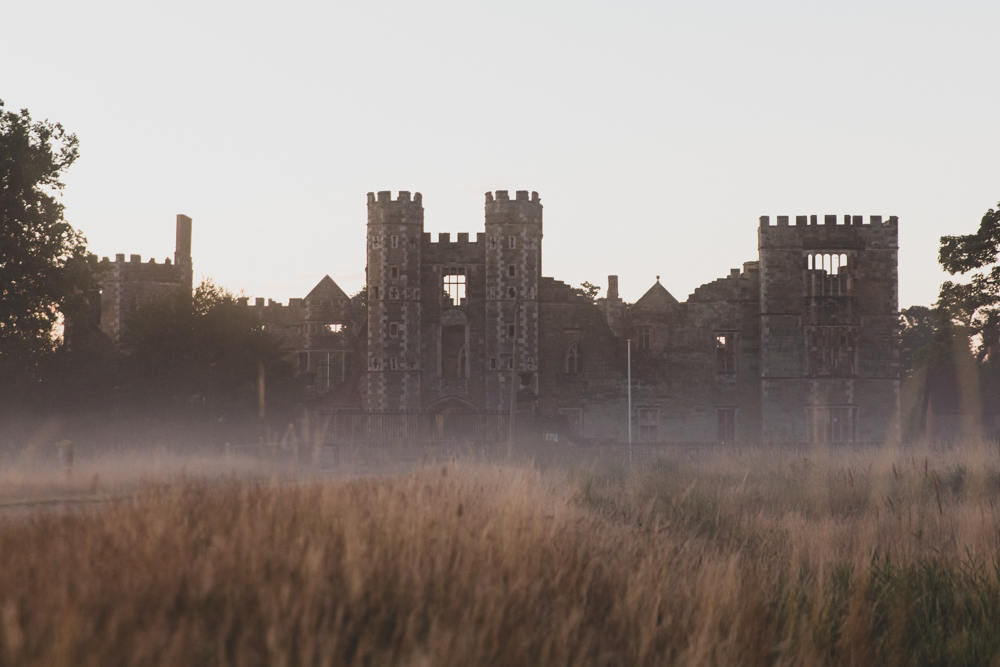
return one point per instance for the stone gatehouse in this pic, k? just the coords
(800, 344)
(797, 345)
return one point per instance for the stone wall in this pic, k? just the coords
(829, 329)
(126, 284)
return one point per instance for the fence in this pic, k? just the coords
(414, 427)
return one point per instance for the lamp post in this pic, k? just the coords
(513, 385)
(630, 401)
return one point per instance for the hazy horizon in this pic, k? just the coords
(655, 133)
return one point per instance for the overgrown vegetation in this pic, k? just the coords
(747, 558)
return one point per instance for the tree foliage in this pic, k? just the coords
(974, 303)
(43, 260)
(199, 355)
(588, 290)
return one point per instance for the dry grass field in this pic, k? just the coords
(749, 557)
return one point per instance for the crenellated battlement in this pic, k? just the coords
(447, 249)
(462, 238)
(133, 260)
(830, 220)
(520, 196)
(385, 197)
(136, 271)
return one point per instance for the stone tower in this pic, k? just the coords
(182, 250)
(513, 269)
(828, 329)
(395, 229)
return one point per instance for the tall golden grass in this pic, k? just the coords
(742, 557)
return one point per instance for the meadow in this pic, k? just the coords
(730, 557)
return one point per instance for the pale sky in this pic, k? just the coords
(656, 133)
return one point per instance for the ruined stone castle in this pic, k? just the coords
(800, 345)
(126, 284)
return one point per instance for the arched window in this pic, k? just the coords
(573, 359)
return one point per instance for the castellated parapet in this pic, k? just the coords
(126, 284)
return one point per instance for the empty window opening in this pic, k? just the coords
(649, 423)
(453, 355)
(832, 351)
(511, 270)
(453, 281)
(511, 293)
(644, 335)
(393, 329)
(573, 359)
(393, 271)
(493, 363)
(829, 274)
(832, 425)
(510, 331)
(726, 418)
(725, 354)
(328, 369)
(375, 292)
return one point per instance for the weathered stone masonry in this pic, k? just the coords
(799, 345)
(126, 284)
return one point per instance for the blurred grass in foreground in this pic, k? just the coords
(743, 557)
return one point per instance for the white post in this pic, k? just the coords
(630, 401)
(513, 386)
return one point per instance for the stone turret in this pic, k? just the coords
(513, 270)
(395, 229)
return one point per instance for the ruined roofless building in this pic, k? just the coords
(124, 285)
(800, 345)
(442, 316)
(318, 331)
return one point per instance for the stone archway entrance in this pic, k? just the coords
(454, 419)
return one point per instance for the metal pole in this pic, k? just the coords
(513, 385)
(630, 400)
(261, 415)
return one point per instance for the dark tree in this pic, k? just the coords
(588, 290)
(43, 260)
(195, 359)
(975, 303)
(917, 325)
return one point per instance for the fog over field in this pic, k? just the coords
(731, 556)
(545, 333)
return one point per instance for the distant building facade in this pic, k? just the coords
(124, 285)
(799, 345)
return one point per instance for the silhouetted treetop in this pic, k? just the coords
(43, 260)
